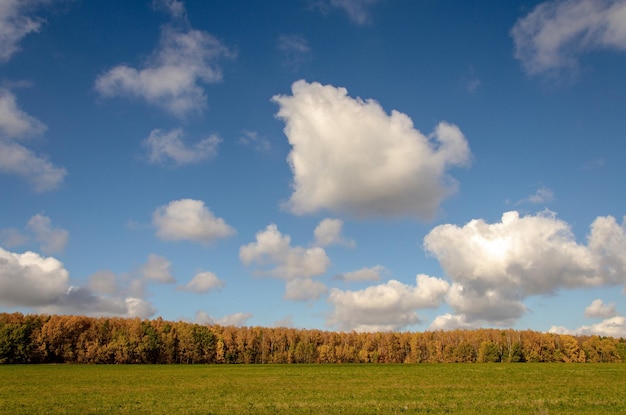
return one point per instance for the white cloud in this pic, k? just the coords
(286, 262)
(53, 239)
(451, 322)
(31, 280)
(328, 232)
(273, 254)
(386, 307)
(607, 242)
(172, 78)
(597, 309)
(189, 219)
(18, 160)
(363, 274)
(16, 23)
(138, 307)
(42, 283)
(556, 33)
(157, 269)
(236, 319)
(349, 156)
(611, 327)
(165, 147)
(495, 267)
(203, 282)
(304, 289)
(14, 122)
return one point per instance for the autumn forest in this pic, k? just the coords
(111, 340)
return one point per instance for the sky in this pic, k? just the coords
(367, 165)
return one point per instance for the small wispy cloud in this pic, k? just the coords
(542, 195)
(255, 140)
(166, 147)
(556, 33)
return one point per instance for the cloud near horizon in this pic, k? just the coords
(43, 283)
(350, 157)
(495, 267)
(235, 319)
(385, 307)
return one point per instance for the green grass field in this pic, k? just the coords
(315, 389)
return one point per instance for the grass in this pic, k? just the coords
(315, 389)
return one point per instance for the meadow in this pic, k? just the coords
(541, 388)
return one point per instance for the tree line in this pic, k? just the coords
(114, 340)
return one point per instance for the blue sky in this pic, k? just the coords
(334, 164)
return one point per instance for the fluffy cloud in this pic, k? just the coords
(597, 308)
(495, 267)
(15, 158)
(363, 274)
(452, 322)
(611, 327)
(273, 252)
(172, 78)
(30, 280)
(304, 289)
(236, 319)
(349, 156)
(274, 248)
(556, 33)
(169, 147)
(14, 122)
(203, 282)
(53, 239)
(607, 242)
(385, 307)
(328, 232)
(18, 160)
(157, 269)
(189, 219)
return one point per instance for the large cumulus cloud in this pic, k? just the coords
(495, 267)
(349, 156)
